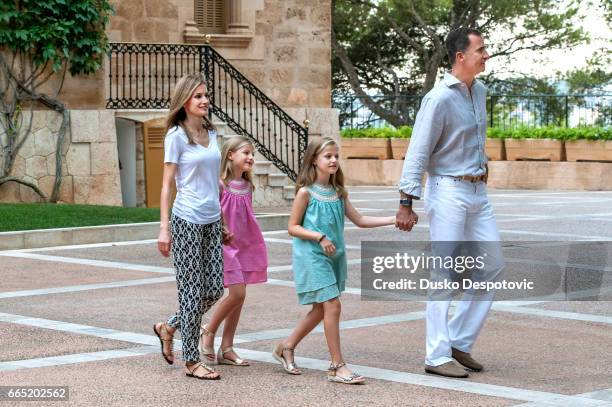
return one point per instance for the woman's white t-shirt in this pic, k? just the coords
(197, 176)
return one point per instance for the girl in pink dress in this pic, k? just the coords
(245, 259)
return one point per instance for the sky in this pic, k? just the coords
(546, 64)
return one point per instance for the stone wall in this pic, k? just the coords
(284, 48)
(294, 68)
(90, 164)
(546, 175)
(287, 55)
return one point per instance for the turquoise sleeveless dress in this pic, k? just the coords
(319, 278)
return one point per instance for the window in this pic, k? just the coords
(210, 16)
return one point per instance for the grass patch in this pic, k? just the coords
(25, 216)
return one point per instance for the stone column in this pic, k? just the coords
(236, 25)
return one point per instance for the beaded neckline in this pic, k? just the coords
(324, 193)
(238, 187)
(328, 187)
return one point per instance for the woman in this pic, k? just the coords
(195, 230)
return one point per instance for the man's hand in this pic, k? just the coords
(406, 218)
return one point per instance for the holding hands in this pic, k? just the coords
(226, 235)
(406, 218)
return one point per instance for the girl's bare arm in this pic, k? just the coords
(298, 209)
(366, 221)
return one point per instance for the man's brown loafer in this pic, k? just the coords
(466, 360)
(448, 369)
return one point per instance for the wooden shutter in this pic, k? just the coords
(210, 16)
(154, 160)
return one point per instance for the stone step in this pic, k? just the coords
(262, 167)
(289, 192)
(277, 180)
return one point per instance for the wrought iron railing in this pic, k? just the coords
(503, 111)
(142, 76)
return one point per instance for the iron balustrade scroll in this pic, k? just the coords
(503, 111)
(142, 76)
(249, 112)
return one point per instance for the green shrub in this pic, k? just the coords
(555, 133)
(382, 132)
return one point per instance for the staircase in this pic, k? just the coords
(141, 76)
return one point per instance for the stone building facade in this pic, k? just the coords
(281, 46)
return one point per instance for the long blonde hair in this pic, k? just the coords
(308, 172)
(231, 146)
(183, 90)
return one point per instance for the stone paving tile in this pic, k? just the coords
(522, 351)
(583, 307)
(19, 342)
(517, 351)
(27, 274)
(146, 254)
(356, 236)
(135, 309)
(279, 254)
(146, 380)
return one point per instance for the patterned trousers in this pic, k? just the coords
(198, 259)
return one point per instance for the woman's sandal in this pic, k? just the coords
(290, 367)
(162, 327)
(353, 378)
(208, 352)
(209, 375)
(221, 360)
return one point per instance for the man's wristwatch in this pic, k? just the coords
(406, 201)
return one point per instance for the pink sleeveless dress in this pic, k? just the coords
(245, 259)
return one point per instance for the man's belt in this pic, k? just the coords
(472, 178)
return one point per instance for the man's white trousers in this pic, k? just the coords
(459, 211)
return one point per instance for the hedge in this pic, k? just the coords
(382, 132)
(557, 133)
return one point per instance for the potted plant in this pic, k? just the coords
(400, 141)
(494, 145)
(366, 143)
(589, 144)
(539, 144)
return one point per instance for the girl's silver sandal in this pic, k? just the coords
(290, 367)
(221, 360)
(353, 378)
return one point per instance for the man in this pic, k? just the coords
(448, 143)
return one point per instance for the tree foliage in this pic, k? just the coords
(394, 47)
(39, 42)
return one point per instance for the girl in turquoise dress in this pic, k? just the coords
(319, 258)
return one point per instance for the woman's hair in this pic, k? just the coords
(308, 172)
(183, 90)
(227, 171)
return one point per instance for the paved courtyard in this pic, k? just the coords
(81, 316)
